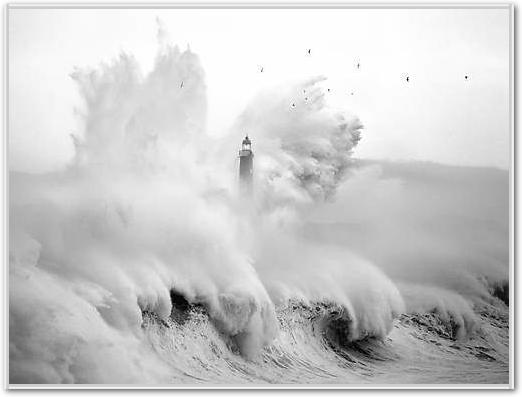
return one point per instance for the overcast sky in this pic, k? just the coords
(436, 116)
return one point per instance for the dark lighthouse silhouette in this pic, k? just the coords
(246, 167)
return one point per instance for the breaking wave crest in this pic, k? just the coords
(314, 345)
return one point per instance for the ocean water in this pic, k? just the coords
(311, 349)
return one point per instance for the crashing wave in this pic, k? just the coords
(314, 344)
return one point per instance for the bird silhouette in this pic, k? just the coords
(293, 105)
(262, 68)
(408, 78)
(310, 51)
(181, 85)
(358, 65)
(328, 90)
(466, 77)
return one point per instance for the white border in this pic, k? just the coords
(265, 5)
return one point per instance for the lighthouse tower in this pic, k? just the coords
(246, 167)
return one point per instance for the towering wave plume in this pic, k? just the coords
(129, 118)
(139, 263)
(304, 146)
(127, 223)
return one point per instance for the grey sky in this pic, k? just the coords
(437, 116)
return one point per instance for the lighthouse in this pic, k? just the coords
(246, 167)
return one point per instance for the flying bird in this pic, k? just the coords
(351, 93)
(358, 65)
(293, 105)
(181, 85)
(328, 90)
(408, 78)
(309, 51)
(262, 68)
(466, 77)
